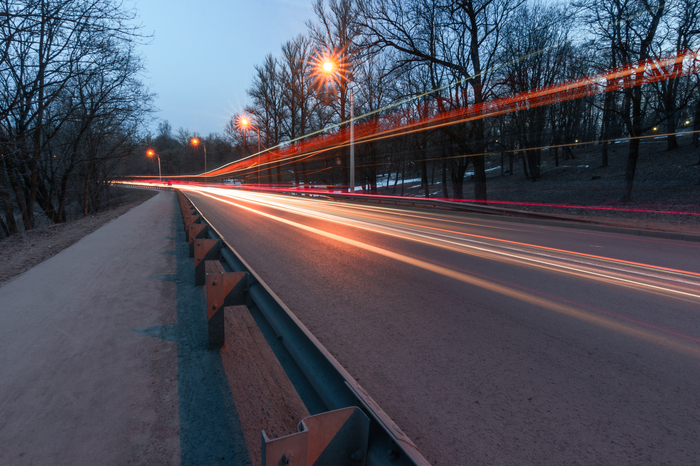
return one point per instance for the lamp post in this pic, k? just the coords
(151, 153)
(195, 142)
(330, 67)
(244, 124)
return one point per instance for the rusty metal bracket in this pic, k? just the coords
(185, 206)
(190, 220)
(196, 231)
(222, 289)
(334, 438)
(204, 250)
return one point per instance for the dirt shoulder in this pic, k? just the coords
(19, 253)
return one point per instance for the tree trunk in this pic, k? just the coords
(8, 208)
(445, 191)
(396, 181)
(424, 177)
(479, 164)
(527, 174)
(295, 167)
(19, 195)
(696, 126)
(670, 106)
(5, 230)
(305, 175)
(607, 122)
(533, 158)
(373, 168)
(631, 168)
(86, 202)
(457, 171)
(388, 174)
(635, 126)
(34, 162)
(511, 156)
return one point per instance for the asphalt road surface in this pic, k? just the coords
(487, 341)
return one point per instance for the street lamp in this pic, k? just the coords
(195, 142)
(244, 124)
(150, 153)
(329, 67)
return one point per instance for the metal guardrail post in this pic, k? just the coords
(222, 289)
(196, 231)
(191, 219)
(337, 438)
(204, 250)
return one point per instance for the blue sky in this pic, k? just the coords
(201, 58)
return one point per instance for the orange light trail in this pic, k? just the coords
(646, 72)
(639, 275)
(687, 289)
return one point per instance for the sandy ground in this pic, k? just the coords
(85, 378)
(104, 357)
(21, 252)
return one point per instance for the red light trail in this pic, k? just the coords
(646, 72)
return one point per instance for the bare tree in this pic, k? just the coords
(630, 26)
(67, 81)
(535, 50)
(463, 36)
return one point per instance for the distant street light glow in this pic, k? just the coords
(150, 153)
(244, 124)
(195, 142)
(331, 67)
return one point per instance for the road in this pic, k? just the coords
(487, 341)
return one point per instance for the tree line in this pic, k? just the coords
(71, 106)
(407, 60)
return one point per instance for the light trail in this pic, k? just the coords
(588, 264)
(645, 72)
(656, 334)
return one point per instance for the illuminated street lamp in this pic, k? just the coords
(195, 142)
(330, 68)
(244, 124)
(150, 153)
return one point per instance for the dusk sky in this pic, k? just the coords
(202, 56)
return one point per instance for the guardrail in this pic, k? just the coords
(354, 430)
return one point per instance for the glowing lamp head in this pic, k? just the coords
(244, 122)
(328, 66)
(195, 141)
(150, 153)
(654, 129)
